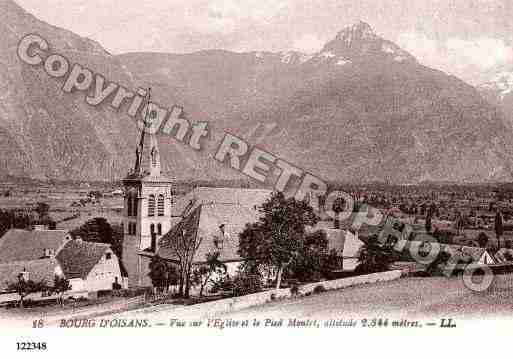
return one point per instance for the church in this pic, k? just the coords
(153, 215)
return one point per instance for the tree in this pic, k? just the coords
(429, 218)
(203, 274)
(435, 268)
(25, 287)
(278, 238)
(99, 230)
(60, 286)
(499, 227)
(162, 273)
(373, 258)
(14, 219)
(183, 247)
(248, 280)
(313, 259)
(482, 240)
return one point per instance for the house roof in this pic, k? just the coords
(204, 223)
(77, 258)
(22, 245)
(39, 270)
(504, 255)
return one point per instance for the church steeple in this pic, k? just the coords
(147, 155)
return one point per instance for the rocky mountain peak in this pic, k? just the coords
(359, 41)
(359, 31)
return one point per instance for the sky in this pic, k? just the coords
(466, 38)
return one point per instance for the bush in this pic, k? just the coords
(223, 284)
(244, 284)
(319, 289)
(104, 293)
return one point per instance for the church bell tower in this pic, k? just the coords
(147, 207)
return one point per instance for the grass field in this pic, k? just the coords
(411, 298)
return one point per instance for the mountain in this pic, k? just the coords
(498, 90)
(361, 109)
(45, 133)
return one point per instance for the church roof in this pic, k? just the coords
(246, 197)
(216, 225)
(216, 216)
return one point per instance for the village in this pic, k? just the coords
(101, 245)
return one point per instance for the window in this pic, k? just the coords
(154, 155)
(132, 205)
(153, 243)
(135, 201)
(159, 229)
(108, 256)
(151, 205)
(160, 205)
(129, 205)
(132, 228)
(153, 238)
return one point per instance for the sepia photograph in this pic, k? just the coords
(172, 170)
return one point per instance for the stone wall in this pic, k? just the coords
(243, 302)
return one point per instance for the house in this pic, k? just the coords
(459, 255)
(89, 267)
(347, 246)
(42, 254)
(479, 255)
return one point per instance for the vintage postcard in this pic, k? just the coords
(176, 170)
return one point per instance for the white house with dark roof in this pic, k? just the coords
(40, 255)
(89, 267)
